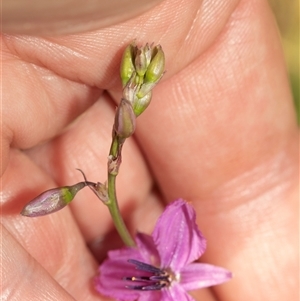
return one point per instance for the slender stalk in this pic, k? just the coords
(115, 158)
(141, 70)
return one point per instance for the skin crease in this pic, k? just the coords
(220, 132)
(67, 16)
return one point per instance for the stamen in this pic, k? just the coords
(140, 279)
(156, 281)
(155, 287)
(144, 266)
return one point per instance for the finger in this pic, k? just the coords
(223, 134)
(24, 136)
(38, 104)
(53, 241)
(24, 278)
(93, 58)
(55, 74)
(61, 17)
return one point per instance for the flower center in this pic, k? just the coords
(155, 280)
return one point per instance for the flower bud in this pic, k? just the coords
(127, 64)
(52, 200)
(145, 89)
(141, 104)
(148, 53)
(156, 67)
(141, 62)
(129, 91)
(124, 119)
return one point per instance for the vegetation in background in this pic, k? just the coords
(287, 16)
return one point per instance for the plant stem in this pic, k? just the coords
(115, 161)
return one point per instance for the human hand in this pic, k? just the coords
(220, 132)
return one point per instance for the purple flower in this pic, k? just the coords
(161, 267)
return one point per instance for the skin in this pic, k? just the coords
(220, 132)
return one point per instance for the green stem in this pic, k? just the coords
(115, 153)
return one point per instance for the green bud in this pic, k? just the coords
(129, 91)
(141, 104)
(140, 62)
(124, 119)
(145, 89)
(127, 64)
(156, 67)
(52, 200)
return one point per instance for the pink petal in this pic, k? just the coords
(125, 254)
(150, 296)
(199, 275)
(177, 236)
(175, 292)
(147, 249)
(110, 281)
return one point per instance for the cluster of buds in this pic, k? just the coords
(141, 70)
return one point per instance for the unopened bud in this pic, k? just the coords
(141, 104)
(52, 200)
(129, 91)
(145, 89)
(148, 53)
(156, 67)
(127, 64)
(124, 119)
(141, 62)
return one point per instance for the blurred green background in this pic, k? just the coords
(287, 16)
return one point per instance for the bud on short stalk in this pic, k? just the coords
(52, 200)
(140, 62)
(141, 104)
(155, 70)
(124, 119)
(127, 65)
